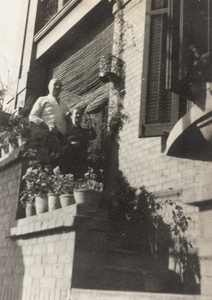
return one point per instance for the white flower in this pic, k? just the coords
(56, 171)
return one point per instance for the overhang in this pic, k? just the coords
(191, 137)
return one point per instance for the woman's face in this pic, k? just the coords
(76, 117)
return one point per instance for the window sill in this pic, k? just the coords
(68, 217)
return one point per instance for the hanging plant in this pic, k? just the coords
(110, 68)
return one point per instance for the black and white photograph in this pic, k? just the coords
(105, 150)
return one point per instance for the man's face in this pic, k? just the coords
(55, 87)
(76, 117)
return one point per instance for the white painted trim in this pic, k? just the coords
(53, 21)
(56, 32)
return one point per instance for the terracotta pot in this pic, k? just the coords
(12, 146)
(53, 201)
(88, 197)
(66, 200)
(41, 204)
(30, 210)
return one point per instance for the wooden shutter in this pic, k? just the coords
(159, 105)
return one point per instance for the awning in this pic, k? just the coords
(89, 101)
(191, 137)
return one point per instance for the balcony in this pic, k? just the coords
(57, 19)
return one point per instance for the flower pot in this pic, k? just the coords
(3, 153)
(21, 141)
(41, 204)
(67, 199)
(30, 209)
(12, 146)
(88, 197)
(53, 201)
(109, 68)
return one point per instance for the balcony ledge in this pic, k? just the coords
(66, 218)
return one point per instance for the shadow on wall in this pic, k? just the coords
(127, 252)
(12, 265)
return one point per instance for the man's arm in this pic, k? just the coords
(36, 112)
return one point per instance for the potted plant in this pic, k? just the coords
(88, 190)
(55, 189)
(21, 128)
(110, 68)
(15, 132)
(4, 145)
(9, 137)
(66, 185)
(36, 181)
(28, 201)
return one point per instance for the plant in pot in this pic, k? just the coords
(55, 189)
(21, 128)
(4, 145)
(9, 140)
(37, 182)
(66, 185)
(9, 136)
(28, 200)
(88, 190)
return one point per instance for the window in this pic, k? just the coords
(47, 9)
(169, 33)
(51, 9)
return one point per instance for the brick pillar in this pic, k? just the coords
(200, 195)
(205, 241)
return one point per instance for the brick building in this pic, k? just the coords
(164, 144)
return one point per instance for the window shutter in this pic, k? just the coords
(159, 105)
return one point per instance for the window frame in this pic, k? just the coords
(159, 128)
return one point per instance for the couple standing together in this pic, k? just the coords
(51, 114)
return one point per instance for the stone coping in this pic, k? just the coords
(18, 153)
(85, 294)
(70, 217)
(11, 157)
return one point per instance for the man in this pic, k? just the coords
(49, 112)
(77, 145)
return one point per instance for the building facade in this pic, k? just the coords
(159, 85)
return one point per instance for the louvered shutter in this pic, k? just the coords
(159, 105)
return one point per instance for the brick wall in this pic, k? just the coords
(41, 257)
(36, 263)
(10, 270)
(141, 159)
